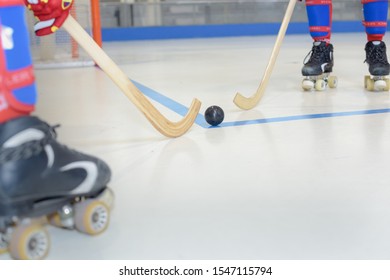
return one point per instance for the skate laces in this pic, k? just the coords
(377, 54)
(316, 54)
(28, 149)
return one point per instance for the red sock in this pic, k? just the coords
(375, 37)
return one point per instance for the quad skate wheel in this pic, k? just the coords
(307, 85)
(107, 197)
(369, 84)
(333, 82)
(387, 85)
(3, 244)
(320, 85)
(29, 242)
(55, 220)
(366, 81)
(91, 216)
(380, 85)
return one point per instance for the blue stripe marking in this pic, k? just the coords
(306, 117)
(182, 110)
(169, 103)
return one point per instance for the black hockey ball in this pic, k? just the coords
(214, 115)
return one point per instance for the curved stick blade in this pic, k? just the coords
(247, 103)
(162, 124)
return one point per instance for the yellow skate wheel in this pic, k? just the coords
(333, 82)
(54, 220)
(3, 250)
(366, 81)
(320, 85)
(370, 84)
(29, 242)
(387, 85)
(91, 216)
(3, 244)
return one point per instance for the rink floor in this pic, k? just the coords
(304, 175)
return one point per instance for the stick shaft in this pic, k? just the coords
(249, 103)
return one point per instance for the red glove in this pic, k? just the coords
(51, 14)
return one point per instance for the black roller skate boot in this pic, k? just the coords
(378, 66)
(318, 67)
(43, 181)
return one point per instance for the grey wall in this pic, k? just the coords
(197, 12)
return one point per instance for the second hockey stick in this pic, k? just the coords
(248, 103)
(163, 125)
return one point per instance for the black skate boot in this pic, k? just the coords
(42, 180)
(318, 67)
(378, 66)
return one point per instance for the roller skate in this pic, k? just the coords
(378, 66)
(43, 182)
(318, 67)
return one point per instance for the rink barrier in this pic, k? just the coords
(213, 31)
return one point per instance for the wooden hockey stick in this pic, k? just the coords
(248, 103)
(163, 125)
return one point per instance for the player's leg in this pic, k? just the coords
(38, 175)
(375, 22)
(320, 58)
(318, 64)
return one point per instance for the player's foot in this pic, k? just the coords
(41, 177)
(376, 58)
(320, 60)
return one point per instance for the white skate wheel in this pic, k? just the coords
(380, 85)
(333, 82)
(91, 216)
(29, 242)
(320, 85)
(307, 85)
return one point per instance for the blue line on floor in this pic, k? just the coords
(169, 103)
(306, 117)
(182, 110)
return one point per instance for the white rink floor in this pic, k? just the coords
(315, 186)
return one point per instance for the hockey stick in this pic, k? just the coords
(163, 125)
(247, 103)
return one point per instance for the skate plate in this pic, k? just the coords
(27, 238)
(319, 83)
(376, 83)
